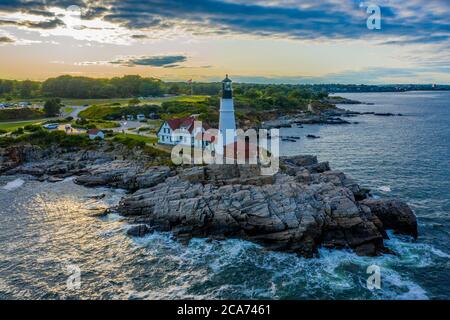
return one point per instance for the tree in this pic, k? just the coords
(26, 88)
(52, 107)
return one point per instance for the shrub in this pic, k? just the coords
(33, 128)
(129, 142)
(45, 138)
(20, 114)
(18, 132)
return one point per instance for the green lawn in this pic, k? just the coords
(139, 138)
(191, 99)
(11, 126)
(82, 102)
(68, 110)
(105, 124)
(124, 102)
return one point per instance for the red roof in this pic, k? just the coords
(175, 124)
(93, 131)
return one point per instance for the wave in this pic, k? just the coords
(385, 189)
(13, 185)
(239, 269)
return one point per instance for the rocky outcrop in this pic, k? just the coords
(90, 167)
(394, 215)
(298, 210)
(324, 117)
(124, 175)
(12, 157)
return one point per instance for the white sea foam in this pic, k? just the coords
(385, 189)
(13, 185)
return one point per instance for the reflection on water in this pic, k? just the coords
(46, 227)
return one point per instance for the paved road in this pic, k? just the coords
(125, 125)
(75, 112)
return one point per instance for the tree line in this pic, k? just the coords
(136, 86)
(71, 87)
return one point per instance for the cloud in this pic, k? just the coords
(152, 61)
(139, 36)
(37, 12)
(160, 61)
(309, 19)
(46, 24)
(413, 21)
(6, 40)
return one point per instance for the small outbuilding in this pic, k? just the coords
(96, 134)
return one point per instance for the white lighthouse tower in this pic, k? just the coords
(227, 122)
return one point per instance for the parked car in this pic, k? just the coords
(154, 116)
(51, 126)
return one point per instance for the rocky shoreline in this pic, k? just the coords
(333, 116)
(303, 207)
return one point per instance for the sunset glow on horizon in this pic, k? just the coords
(256, 41)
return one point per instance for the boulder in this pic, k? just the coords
(139, 230)
(394, 214)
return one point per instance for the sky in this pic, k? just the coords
(260, 41)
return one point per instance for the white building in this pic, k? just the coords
(96, 134)
(227, 121)
(184, 131)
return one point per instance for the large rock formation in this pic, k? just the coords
(304, 207)
(90, 167)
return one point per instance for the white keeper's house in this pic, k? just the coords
(184, 131)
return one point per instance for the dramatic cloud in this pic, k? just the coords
(412, 21)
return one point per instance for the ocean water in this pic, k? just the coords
(47, 230)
